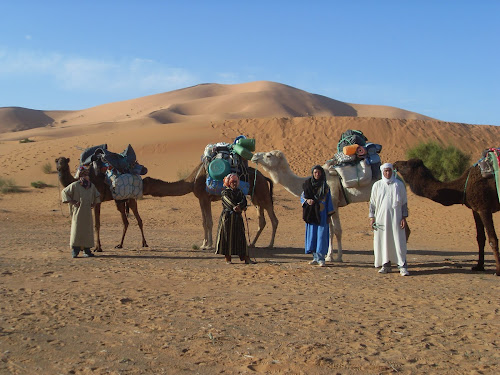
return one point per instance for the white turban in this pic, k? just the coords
(396, 196)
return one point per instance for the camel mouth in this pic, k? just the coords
(256, 158)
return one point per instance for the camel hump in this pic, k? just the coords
(330, 169)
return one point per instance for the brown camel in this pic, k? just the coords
(261, 196)
(66, 178)
(476, 192)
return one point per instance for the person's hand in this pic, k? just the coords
(403, 223)
(310, 202)
(372, 221)
(237, 209)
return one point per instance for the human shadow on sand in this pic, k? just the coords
(286, 253)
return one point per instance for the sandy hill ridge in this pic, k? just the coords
(169, 131)
(310, 140)
(14, 119)
(205, 102)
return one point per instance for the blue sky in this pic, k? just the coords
(437, 58)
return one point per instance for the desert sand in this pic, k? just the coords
(172, 308)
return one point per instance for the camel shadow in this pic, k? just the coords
(285, 253)
(296, 254)
(415, 252)
(174, 256)
(447, 269)
(441, 252)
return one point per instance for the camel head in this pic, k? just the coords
(415, 174)
(271, 160)
(62, 164)
(413, 170)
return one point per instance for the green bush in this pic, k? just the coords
(47, 168)
(446, 163)
(39, 184)
(8, 186)
(26, 140)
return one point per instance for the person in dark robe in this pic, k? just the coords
(231, 238)
(317, 207)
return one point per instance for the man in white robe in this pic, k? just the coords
(388, 213)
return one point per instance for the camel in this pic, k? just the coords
(477, 193)
(275, 163)
(261, 196)
(66, 178)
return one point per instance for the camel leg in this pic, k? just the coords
(274, 223)
(262, 224)
(206, 215)
(132, 204)
(487, 218)
(97, 226)
(335, 231)
(120, 206)
(481, 241)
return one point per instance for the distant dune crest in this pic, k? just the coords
(204, 102)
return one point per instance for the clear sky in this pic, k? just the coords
(440, 58)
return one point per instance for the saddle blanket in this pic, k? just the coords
(124, 186)
(215, 187)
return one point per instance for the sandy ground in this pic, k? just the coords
(172, 308)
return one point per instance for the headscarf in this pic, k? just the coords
(396, 195)
(316, 190)
(82, 170)
(319, 187)
(81, 173)
(229, 178)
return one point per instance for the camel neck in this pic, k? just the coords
(447, 193)
(65, 177)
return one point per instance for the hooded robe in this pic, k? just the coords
(389, 205)
(82, 228)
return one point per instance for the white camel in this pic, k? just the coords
(276, 165)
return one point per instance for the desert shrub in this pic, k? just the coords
(445, 163)
(47, 168)
(39, 184)
(26, 140)
(8, 186)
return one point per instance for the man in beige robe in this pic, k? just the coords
(82, 196)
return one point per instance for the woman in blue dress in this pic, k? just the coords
(317, 207)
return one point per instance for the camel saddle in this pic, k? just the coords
(124, 162)
(489, 165)
(488, 161)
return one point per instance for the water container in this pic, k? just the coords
(243, 152)
(350, 150)
(248, 143)
(218, 169)
(213, 187)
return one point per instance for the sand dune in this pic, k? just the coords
(206, 102)
(174, 309)
(14, 119)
